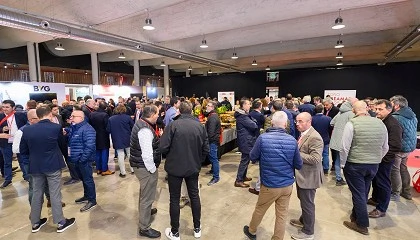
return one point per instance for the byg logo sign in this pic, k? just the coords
(41, 88)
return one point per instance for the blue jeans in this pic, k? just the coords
(84, 170)
(381, 186)
(325, 157)
(337, 164)
(359, 178)
(214, 160)
(101, 159)
(243, 167)
(7, 156)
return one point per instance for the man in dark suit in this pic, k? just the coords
(310, 177)
(321, 123)
(10, 122)
(42, 143)
(307, 106)
(329, 109)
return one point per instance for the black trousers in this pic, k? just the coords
(381, 186)
(175, 195)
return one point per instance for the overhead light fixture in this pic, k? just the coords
(86, 72)
(122, 56)
(59, 47)
(148, 22)
(234, 56)
(338, 22)
(5, 66)
(268, 68)
(339, 63)
(210, 71)
(339, 55)
(64, 71)
(190, 68)
(204, 44)
(162, 64)
(254, 62)
(339, 43)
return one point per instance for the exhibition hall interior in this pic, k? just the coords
(231, 64)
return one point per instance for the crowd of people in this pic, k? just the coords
(289, 137)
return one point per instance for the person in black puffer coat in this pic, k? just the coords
(247, 132)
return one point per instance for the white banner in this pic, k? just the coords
(20, 92)
(230, 96)
(339, 96)
(114, 91)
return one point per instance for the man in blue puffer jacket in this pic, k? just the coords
(400, 177)
(82, 152)
(279, 156)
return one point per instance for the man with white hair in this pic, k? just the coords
(307, 106)
(279, 156)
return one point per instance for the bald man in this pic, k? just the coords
(82, 152)
(364, 144)
(310, 177)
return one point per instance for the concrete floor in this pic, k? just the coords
(225, 210)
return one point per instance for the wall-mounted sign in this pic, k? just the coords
(339, 96)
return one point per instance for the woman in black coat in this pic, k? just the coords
(99, 121)
(120, 126)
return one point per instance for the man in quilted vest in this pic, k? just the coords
(279, 156)
(400, 177)
(145, 159)
(364, 144)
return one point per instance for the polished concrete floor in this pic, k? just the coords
(225, 210)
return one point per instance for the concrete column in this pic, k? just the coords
(187, 73)
(33, 62)
(205, 73)
(95, 68)
(136, 72)
(166, 79)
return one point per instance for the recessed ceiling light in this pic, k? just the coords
(339, 63)
(254, 62)
(339, 55)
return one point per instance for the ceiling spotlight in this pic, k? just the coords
(338, 22)
(148, 22)
(210, 71)
(234, 56)
(86, 72)
(122, 56)
(339, 55)
(268, 68)
(254, 62)
(204, 44)
(59, 47)
(190, 68)
(339, 63)
(162, 64)
(63, 71)
(5, 66)
(339, 43)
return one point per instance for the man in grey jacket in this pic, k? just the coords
(338, 123)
